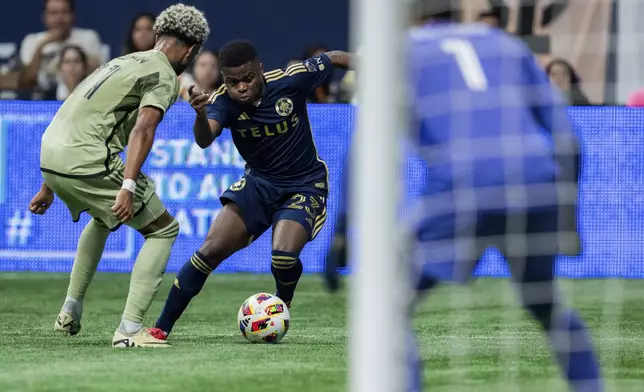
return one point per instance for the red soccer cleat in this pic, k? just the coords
(157, 333)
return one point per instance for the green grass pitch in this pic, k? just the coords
(473, 339)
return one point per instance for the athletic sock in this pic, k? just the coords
(188, 283)
(287, 270)
(147, 273)
(90, 249)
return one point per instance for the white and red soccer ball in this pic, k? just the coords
(263, 318)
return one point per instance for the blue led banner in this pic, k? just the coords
(189, 181)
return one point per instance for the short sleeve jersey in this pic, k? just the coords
(274, 136)
(95, 122)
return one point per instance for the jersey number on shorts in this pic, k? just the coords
(108, 74)
(299, 199)
(468, 62)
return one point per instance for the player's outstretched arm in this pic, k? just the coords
(205, 130)
(318, 70)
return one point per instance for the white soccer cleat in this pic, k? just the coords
(67, 324)
(138, 339)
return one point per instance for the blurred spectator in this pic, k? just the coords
(73, 69)
(321, 94)
(206, 75)
(206, 71)
(564, 76)
(292, 61)
(39, 51)
(491, 18)
(140, 36)
(9, 72)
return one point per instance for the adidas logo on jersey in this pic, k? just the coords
(243, 116)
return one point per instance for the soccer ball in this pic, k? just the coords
(263, 318)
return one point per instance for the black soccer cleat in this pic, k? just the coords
(335, 259)
(280, 296)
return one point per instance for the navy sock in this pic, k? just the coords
(287, 270)
(188, 283)
(571, 345)
(414, 363)
(575, 353)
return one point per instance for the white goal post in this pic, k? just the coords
(378, 315)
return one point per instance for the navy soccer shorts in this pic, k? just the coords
(447, 247)
(263, 204)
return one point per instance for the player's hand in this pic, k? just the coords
(198, 100)
(123, 207)
(41, 202)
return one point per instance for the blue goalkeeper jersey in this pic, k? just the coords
(480, 105)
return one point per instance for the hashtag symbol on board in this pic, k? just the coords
(19, 228)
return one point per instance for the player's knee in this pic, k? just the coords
(171, 231)
(289, 237)
(286, 247)
(218, 247)
(164, 222)
(284, 260)
(214, 251)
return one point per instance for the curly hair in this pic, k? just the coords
(183, 22)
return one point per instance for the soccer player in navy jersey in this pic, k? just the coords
(285, 185)
(479, 101)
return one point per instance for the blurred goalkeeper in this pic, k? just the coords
(479, 102)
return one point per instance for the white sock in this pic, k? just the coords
(130, 327)
(73, 306)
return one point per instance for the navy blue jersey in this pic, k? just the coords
(479, 103)
(275, 137)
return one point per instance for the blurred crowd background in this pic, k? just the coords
(589, 48)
